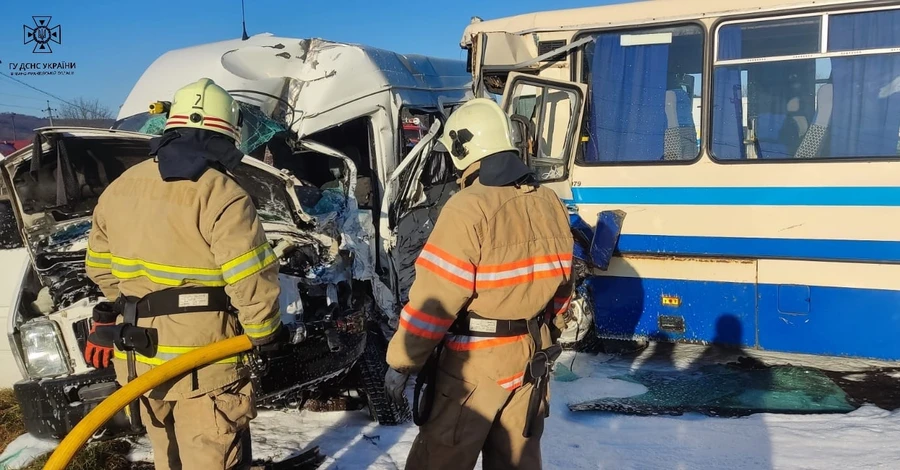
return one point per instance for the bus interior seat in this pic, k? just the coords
(780, 134)
(680, 138)
(811, 145)
(774, 131)
(793, 112)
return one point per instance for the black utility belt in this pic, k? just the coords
(472, 324)
(179, 300)
(128, 337)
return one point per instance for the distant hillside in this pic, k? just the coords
(25, 125)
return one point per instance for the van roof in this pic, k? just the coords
(333, 73)
(630, 13)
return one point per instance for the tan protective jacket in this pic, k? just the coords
(149, 235)
(503, 253)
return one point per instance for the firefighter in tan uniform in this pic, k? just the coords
(177, 244)
(492, 286)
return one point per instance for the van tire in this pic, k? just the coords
(372, 368)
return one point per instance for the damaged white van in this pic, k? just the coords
(341, 196)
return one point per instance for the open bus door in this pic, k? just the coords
(546, 116)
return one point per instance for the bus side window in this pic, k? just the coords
(788, 88)
(644, 101)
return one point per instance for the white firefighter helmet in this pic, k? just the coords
(205, 105)
(477, 129)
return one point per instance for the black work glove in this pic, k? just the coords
(276, 346)
(271, 350)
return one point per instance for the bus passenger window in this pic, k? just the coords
(644, 100)
(773, 101)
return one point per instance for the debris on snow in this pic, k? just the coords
(23, 450)
(864, 438)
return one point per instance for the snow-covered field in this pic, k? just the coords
(866, 438)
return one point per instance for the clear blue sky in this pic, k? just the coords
(112, 42)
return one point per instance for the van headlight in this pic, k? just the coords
(42, 349)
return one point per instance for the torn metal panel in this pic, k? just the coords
(505, 49)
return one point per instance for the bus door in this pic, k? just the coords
(546, 116)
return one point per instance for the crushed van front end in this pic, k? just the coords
(326, 306)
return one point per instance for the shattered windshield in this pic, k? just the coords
(66, 181)
(256, 130)
(269, 194)
(145, 123)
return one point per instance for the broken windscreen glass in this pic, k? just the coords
(268, 192)
(256, 128)
(66, 181)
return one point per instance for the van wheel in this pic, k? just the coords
(372, 368)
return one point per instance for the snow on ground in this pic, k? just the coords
(865, 438)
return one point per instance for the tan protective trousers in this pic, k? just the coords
(474, 416)
(210, 431)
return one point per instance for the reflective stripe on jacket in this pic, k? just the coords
(503, 253)
(149, 235)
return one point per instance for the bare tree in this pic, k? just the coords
(84, 109)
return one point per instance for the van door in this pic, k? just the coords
(546, 116)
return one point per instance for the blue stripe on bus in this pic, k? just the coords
(732, 196)
(780, 248)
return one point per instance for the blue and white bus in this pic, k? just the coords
(777, 229)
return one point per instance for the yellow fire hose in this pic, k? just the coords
(127, 394)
